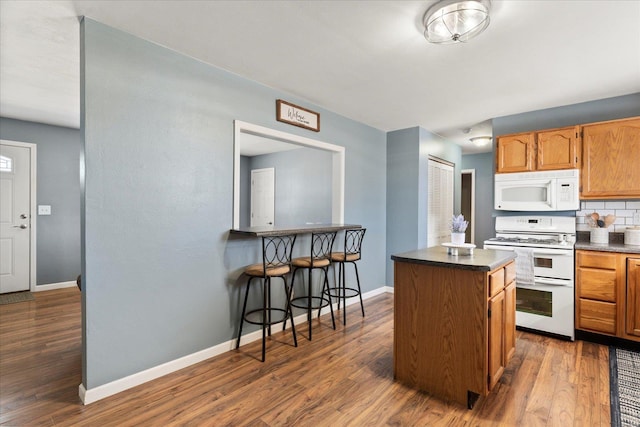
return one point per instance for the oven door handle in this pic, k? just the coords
(554, 282)
(562, 252)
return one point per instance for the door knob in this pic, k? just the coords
(22, 226)
(23, 216)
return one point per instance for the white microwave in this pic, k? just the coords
(538, 191)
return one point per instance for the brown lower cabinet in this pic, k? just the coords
(608, 293)
(633, 296)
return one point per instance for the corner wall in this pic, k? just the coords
(408, 151)
(483, 165)
(162, 274)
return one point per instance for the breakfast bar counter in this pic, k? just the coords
(273, 230)
(454, 321)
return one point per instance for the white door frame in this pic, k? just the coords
(32, 209)
(338, 175)
(472, 172)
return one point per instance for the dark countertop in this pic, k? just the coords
(481, 260)
(616, 244)
(292, 229)
(610, 247)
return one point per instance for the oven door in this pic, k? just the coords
(547, 306)
(525, 195)
(547, 263)
(553, 263)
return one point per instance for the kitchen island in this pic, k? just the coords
(454, 321)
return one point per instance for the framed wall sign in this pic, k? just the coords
(295, 115)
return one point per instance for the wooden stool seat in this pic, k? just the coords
(258, 270)
(342, 257)
(306, 262)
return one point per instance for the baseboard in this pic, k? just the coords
(52, 286)
(97, 393)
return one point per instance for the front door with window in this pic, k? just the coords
(15, 212)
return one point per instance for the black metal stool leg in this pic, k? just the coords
(309, 303)
(344, 294)
(269, 305)
(290, 313)
(359, 289)
(326, 285)
(244, 310)
(264, 316)
(339, 284)
(289, 292)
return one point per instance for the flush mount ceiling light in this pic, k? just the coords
(453, 21)
(480, 141)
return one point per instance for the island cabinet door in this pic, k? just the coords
(497, 361)
(509, 321)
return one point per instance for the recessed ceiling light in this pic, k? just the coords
(480, 141)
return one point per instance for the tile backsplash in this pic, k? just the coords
(624, 210)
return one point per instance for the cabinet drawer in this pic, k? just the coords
(597, 316)
(596, 260)
(510, 273)
(496, 282)
(596, 284)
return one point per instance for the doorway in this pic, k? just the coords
(468, 202)
(440, 188)
(17, 216)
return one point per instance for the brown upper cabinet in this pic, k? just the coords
(611, 160)
(550, 149)
(514, 153)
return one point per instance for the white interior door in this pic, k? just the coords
(263, 190)
(15, 212)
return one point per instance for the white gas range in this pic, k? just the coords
(544, 270)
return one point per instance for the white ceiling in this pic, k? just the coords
(366, 60)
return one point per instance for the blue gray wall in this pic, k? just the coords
(408, 151)
(58, 185)
(303, 185)
(568, 115)
(162, 273)
(483, 165)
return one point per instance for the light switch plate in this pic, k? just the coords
(44, 209)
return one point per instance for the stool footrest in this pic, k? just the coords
(281, 316)
(342, 292)
(303, 302)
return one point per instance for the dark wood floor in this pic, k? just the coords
(342, 377)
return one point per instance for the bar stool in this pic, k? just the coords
(321, 246)
(351, 253)
(276, 262)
